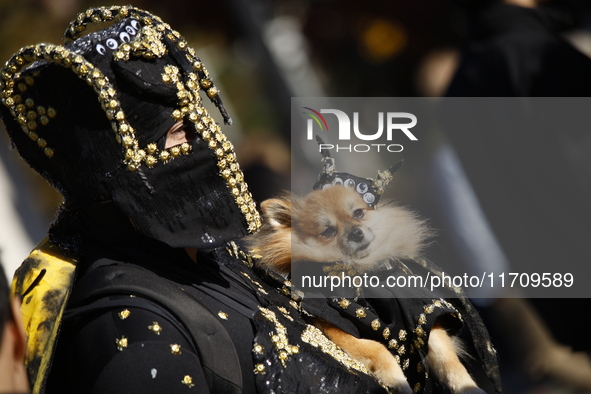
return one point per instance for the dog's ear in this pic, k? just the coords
(277, 212)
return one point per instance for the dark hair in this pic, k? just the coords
(5, 313)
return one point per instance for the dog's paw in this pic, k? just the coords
(399, 388)
(471, 390)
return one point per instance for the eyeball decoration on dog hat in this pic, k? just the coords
(369, 189)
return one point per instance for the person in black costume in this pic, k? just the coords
(515, 50)
(145, 251)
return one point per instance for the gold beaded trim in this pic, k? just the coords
(282, 346)
(314, 337)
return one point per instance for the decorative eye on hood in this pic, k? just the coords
(124, 37)
(112, 43)
(100, 48)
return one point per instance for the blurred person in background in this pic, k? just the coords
(13, 375)
(515, 49)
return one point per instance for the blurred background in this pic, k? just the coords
(263, 52)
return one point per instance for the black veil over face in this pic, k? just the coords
(91, 116)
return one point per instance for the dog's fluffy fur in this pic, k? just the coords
(336, 225)
(333, 225)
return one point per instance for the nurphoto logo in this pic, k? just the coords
(394, 121)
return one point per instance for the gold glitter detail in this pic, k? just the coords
(405, 364)
(124, 314)
(422, 319)
(419, 331)
(360, 313)
(344, 303)
(375, 324)
(175, 349)
(386, 333)
(314, 337)
(402, 335)
(258, 349)
(279, 339)
(223, 315)
(402, 350)
(156, 328)
(417, 388)
(285, 313)
(121, 343)
(259, 369)
(188, 381)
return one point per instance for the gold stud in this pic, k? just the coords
(155, 328)
(150, 161)
(386, 333)
(375, 324)
(151, 148)
(121, 343)
(51, 112)
(42, 143)
(360, 313)
(164, 155)
(175, 349)
(258, 348)
(402, 335)
(422, 319)
(212, 92)
(185, 148)
(259, 369)
(223, 315)
(419, 331)
(188, 381)
(124, 314)
(392, 344)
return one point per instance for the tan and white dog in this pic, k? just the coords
(335, 224)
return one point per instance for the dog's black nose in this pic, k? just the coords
(356, 235)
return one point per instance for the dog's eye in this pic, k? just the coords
(358, 214)
(329, 232)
